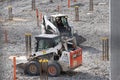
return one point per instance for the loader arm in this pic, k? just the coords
(49, 26)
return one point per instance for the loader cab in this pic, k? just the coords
(61, 22)
(46, 41)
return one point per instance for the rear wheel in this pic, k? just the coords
(32, 68)
(54, 69)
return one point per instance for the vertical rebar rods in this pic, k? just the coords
(91, 5)
(10, 13)
(33, 5)
(105, 48)
(76, 13)
(43, 69)
(28, 44)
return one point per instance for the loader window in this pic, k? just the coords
(64, 21)
(57, 40)
(44, 44)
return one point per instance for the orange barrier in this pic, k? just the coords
(37, 17)
(14, 65)
(75, 58)
(41, 17)
(68, 3)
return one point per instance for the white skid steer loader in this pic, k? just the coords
(61, 56)
(58, 24)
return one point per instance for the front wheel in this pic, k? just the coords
(32, 68)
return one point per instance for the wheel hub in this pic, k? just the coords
(52, 70)
(33, 68)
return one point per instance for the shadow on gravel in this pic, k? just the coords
(81, 39)
(82, 76)
(90, 49)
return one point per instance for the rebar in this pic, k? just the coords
(105, 48)
(76, 13)
(10, 13)
(43, 69)
(28, 44)
(91, 5)
(33, 5)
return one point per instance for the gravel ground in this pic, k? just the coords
(91, 28)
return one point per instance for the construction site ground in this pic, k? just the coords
(91, 27)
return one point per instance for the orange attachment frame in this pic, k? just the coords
(75, 58)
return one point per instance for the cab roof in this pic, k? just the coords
(46, 36)
(58, 15)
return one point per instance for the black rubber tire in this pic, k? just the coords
(56, 67)
(35, 65)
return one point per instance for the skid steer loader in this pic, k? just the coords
(62, 55)
(58, 24)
